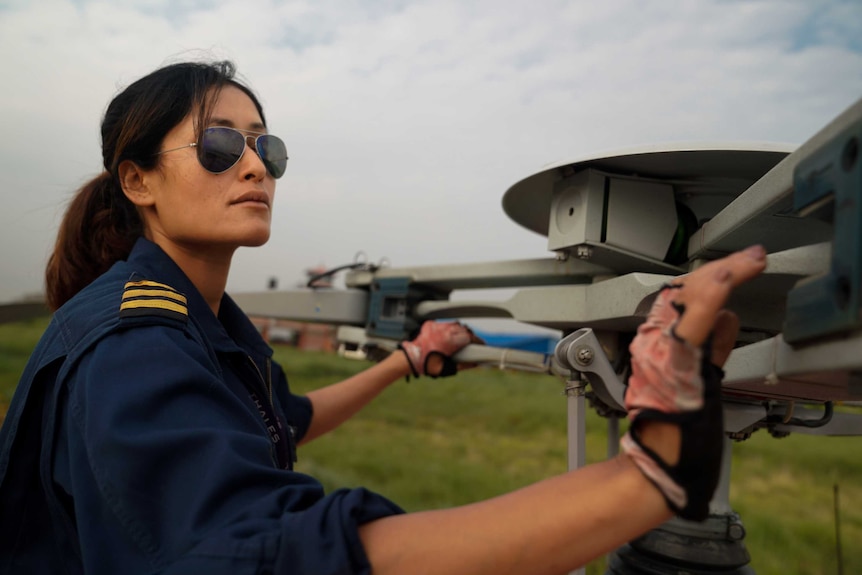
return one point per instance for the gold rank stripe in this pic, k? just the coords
(160, 293)
(148, 298)
(148, 288)
(154, 304)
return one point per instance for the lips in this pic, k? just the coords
(255, 196)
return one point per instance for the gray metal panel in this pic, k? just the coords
(641, 217)
(751, 218)
(508, 273)
(321, 306)
(623, 261)
(822, 371)
(577, 210)
(617, 303)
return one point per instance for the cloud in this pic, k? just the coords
(407, 121)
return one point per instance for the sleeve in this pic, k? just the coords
(171, 472)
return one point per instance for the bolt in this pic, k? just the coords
(736, 531)
(584, 355)
(584, 252)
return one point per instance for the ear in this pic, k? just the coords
(133, 180)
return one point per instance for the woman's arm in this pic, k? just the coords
(427, 354)
(336, 403)
(549, 527)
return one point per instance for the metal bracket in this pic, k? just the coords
(828, 186)
(581, 351)
(391, 307)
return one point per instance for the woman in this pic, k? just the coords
(163, 436)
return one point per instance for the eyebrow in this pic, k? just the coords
(256, 126)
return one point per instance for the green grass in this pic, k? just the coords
(17, 341)
(437, 443)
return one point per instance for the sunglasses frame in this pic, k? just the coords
(246, 134)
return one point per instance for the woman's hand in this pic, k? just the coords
(430, 353)
(674, 393)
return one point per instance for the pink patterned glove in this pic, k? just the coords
(665, 369)
(443, 339)
(673, 381)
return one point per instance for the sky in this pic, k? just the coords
(406, 121)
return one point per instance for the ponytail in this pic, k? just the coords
(99, 228)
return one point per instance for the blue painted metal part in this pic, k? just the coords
(828, 184)
(390, 307)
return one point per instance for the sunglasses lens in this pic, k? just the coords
(273, 152)
(220, 149)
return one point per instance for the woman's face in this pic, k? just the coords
(198, 212)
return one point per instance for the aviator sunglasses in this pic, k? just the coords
(220, 148)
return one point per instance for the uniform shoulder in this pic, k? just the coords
(120, 299)
(143, 298)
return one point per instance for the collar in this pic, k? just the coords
(231, 331)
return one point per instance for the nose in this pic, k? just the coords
(255, 169)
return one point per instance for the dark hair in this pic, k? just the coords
(101, 225)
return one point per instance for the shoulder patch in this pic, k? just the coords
(145, 298)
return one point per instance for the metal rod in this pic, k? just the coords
(576, 414)
(577, 431)
(720, 503)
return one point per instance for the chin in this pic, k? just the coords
(256, 240)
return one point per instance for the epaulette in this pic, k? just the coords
(152, 299)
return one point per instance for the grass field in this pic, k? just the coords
(430, 444)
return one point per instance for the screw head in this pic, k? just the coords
(584, 355)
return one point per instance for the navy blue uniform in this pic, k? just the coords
(149, 436)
